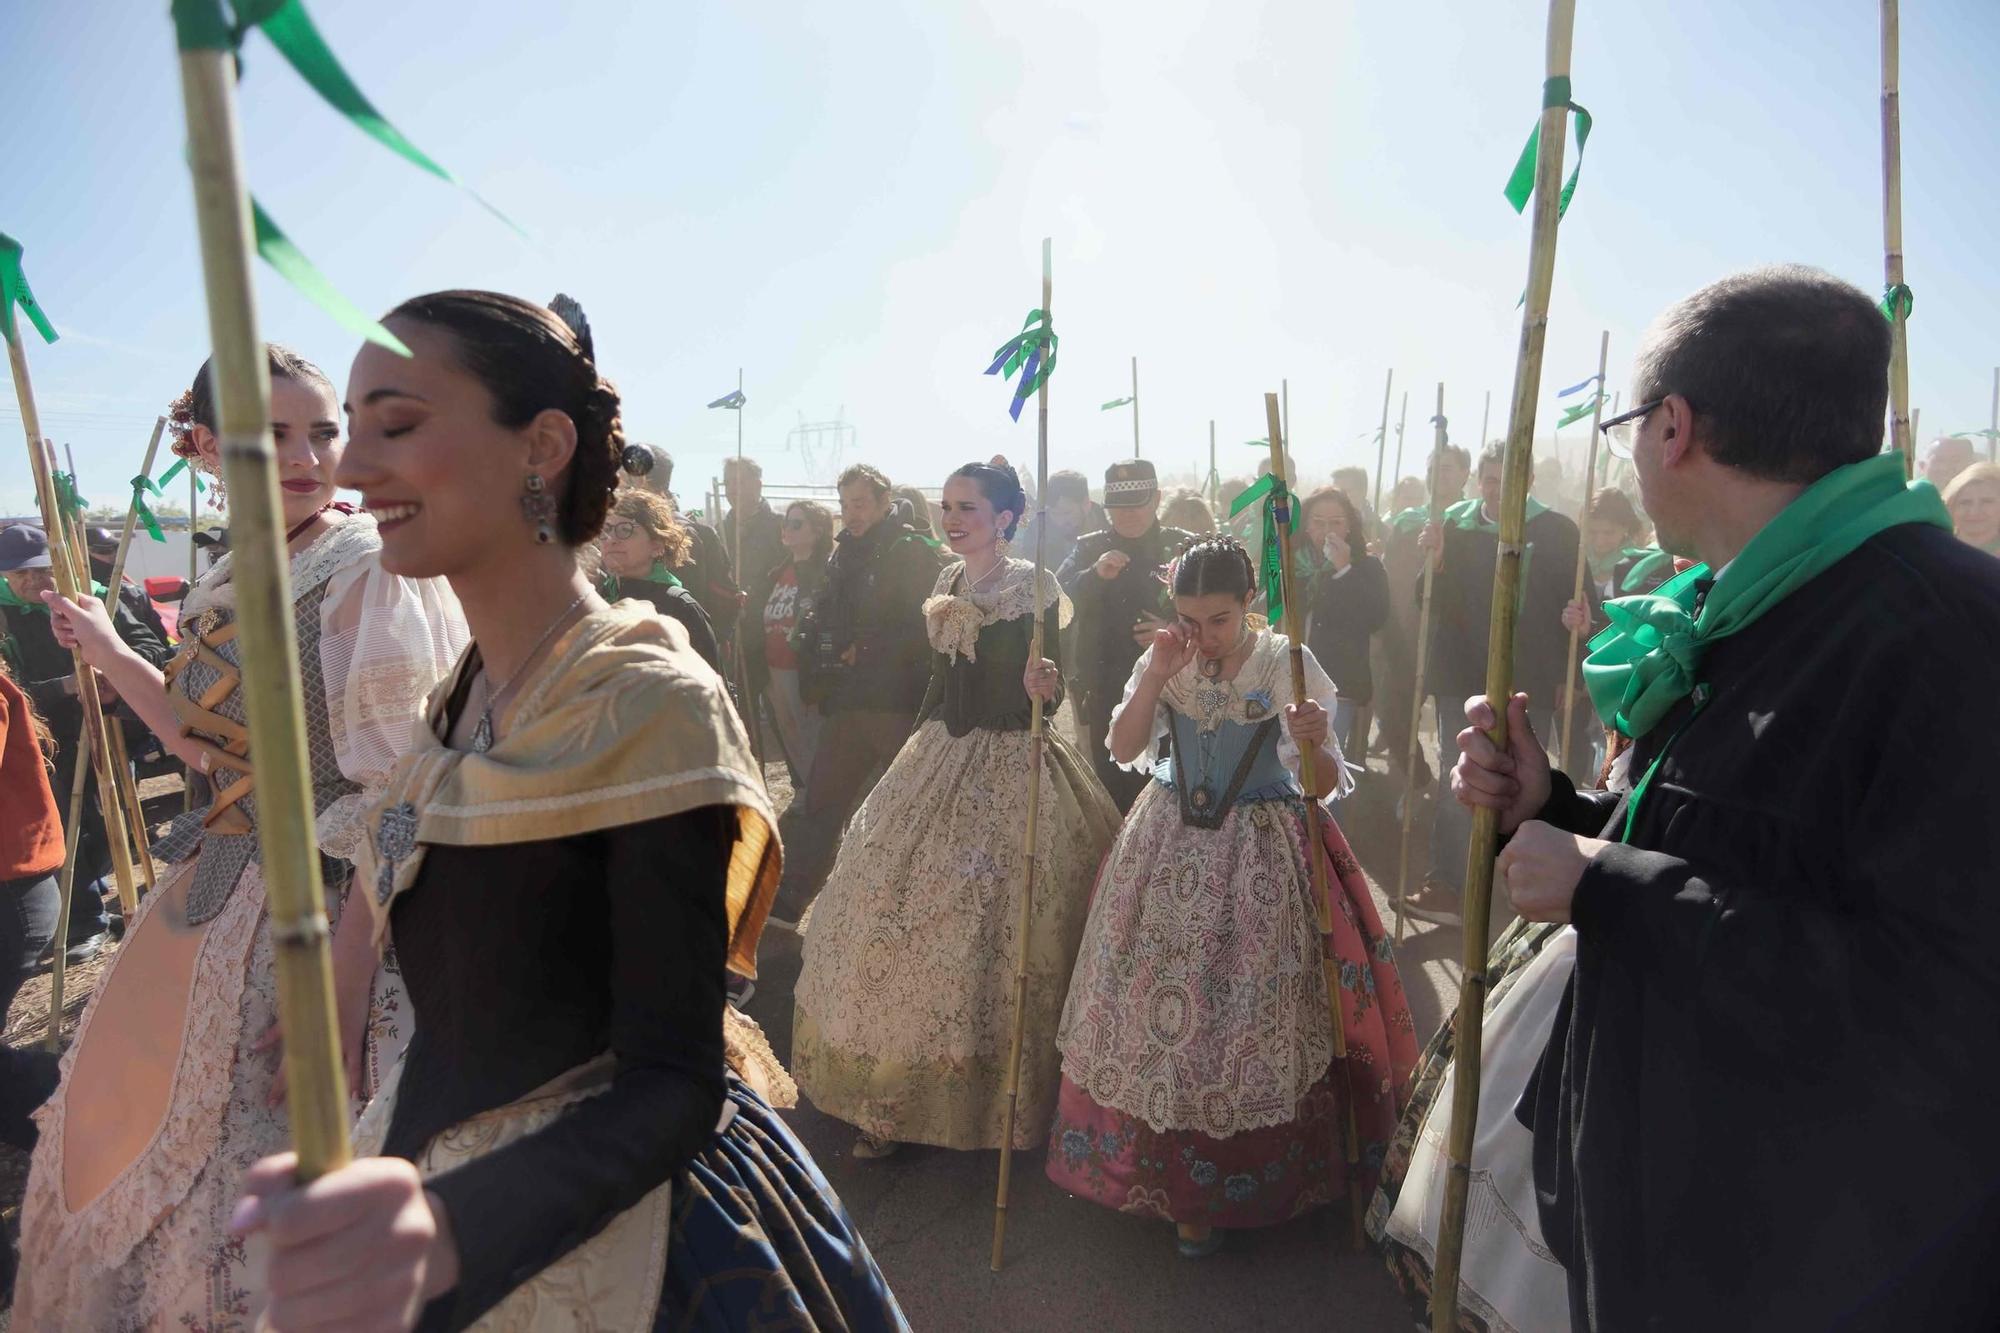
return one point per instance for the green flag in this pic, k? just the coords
(14, 291)
(1115, 402)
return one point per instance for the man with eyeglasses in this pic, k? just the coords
(1466, 547)
(1768, 1096)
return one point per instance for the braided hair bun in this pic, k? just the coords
(1001, 485)
(1214, 562)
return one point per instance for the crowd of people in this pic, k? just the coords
(540, 701)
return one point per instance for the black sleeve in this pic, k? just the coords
(1584, 813)
(521, 1208)
(701, 634)
(138, 635)
(1371, 595)
(1076, 577)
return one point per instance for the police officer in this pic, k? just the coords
(1116, 578)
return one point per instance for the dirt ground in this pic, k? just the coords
(927, 1214)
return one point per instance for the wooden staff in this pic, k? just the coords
(92, 745)
(121, 819)
(316, 1084)
(1215, 478)
(1035, 741)
(1382, 445)
(1440, 439)
(1517, 470)
(1485, 419)
(1135, 410)
(134, 811)
(1993, 420)
(59, 963)
(1902, 430)
(1281, 518)
(738, 658)
(1402, 420)
(1582, 553)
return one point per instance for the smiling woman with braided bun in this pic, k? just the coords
(577, 849)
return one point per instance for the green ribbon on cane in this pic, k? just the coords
(1581, 410)
(14, 291)
(1272, 492)
(140, 485)
(1521, 185)
(221, 25)
(1032, 351)
(174, 471)
(1647, 661)
(66, 494)
(1897, 298)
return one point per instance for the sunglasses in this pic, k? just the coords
(1623, 429)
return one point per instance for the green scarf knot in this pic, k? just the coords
(1650, 658)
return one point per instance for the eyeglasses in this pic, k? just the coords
(622, 531)
(1623, 429)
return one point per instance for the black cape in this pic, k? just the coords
(1768, 1100)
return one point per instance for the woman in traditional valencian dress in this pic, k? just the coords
(1199, 1083)
(905, 1006)
(576, 849)
(166, 1099)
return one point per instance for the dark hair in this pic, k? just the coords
(1001, 485)
(820, 521)
(1357, 534)
(1496, 452)
(530, 362)
(1786, 368)
(1456, 453)
(1215, 563)
(1068, 484)
(1613, 505)
(196, 407)
(877, 482)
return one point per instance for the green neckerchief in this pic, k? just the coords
(1468, 515)
(1603, 567)
(659, 573)
(1651, 562)
(7, 598)
(1411, 520)
(607, 585)
(1647, 661)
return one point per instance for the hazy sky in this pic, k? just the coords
(847, 201)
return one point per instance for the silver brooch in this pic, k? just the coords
(395, 839)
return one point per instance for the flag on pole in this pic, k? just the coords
(1032, 351)
(1577, 387)
(14, 292)
(1115, 402)
(733, 400)
(1581, 410)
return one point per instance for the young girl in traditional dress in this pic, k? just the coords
(1199, 1082)
(166, 1098)
(905, 1006)
(577, 847)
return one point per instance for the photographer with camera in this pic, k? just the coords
(864, 661)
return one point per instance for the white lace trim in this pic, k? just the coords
(311, 565)
(1265, 678)
(953, 620)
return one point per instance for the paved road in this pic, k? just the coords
(1071, 1265)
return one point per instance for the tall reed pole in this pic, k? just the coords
(1993, 420)
(1135, 403)
(1215, 478)
(1902, 430)
(134, 810)
(1281, 518)
(316, 1084)
(93, 747)
(1382, 446)
(124, 827)
(1402, 420)
(1517, 471)
(1582, 554)
(1440, 438)
(1485, 421)
(1035, 743)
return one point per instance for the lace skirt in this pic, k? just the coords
(153, 1250)
(905, 1005)
(1509, 1280)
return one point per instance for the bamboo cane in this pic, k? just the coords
(1440, 439)
(59, 962)
(63, 569)
(123, 823)
(1517, 469)
(1993, 420)
(1281, 518)
(741, 663)
(1215, 479)
(316, 1083)
(1135, 406)
(1402, 420)
(1902, 430)
(1485, 420)
(1382, 445)
(1582, 554)
(1035, 742)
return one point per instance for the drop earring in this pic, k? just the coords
(539, 509)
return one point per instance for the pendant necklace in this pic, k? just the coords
(482, 735)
